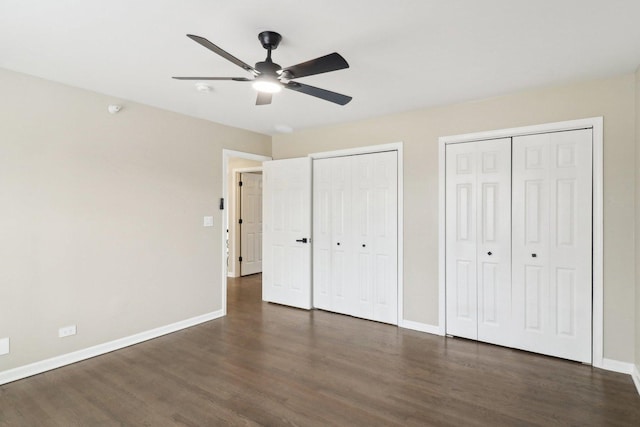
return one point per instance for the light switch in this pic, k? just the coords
(4, 346)
(208, 221)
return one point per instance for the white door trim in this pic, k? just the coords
(394, 146)
(226, 155)
(595, 123)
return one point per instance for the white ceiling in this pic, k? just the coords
(404, 54)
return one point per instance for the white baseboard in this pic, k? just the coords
(87, 353)
(421, 327)
(636, 377)
(617, 366)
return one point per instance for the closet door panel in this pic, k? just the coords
(494, 241)
(342, 241)
(530, 279)
(552, 215)
(374, 231)
(385, 227)
(322, 239)
(478, 243)
(363, 231)
(571, 243)
(461, 240)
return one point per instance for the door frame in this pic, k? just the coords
(226, 155)
(595, 123)
(237, 176)
(394, 146)
(233, 202)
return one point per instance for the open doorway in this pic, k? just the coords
(249, 221)
(240, 167)
(244, 217)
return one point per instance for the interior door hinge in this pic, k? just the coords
(240, 259)
(239, 183)
(240, 221)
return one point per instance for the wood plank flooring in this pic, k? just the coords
(266, 364)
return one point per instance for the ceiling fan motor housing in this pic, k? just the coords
(269, 39)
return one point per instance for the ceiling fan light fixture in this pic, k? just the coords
(267, 85)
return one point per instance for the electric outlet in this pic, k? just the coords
(4, 346)
(67, 331)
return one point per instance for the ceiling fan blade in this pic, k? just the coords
(327, 95)
(324, 64)
(226, 55)
(263, 98)
(235, 79)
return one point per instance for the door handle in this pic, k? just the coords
(489, 253)
(534, 255)
(303, 240)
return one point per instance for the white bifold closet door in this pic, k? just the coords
(332, 240)
(552, 239)
(519, 242)
(355, 235)
(478, 240)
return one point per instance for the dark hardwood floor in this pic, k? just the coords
(266, 364)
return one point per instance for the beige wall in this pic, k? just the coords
(101, 216)
(234, 211)
(101, 222)
(419, 130)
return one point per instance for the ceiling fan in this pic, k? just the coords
(269, 77)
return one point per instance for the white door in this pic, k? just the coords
(322, 233)
(494, 241)
(286, 275)
(461, 242)
(375, 235)
(478, 239)
(333, 268)
(552, 226)
(251, 223)
(355, 235)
